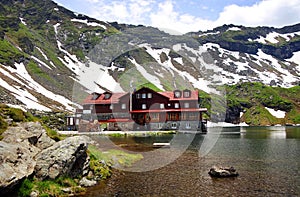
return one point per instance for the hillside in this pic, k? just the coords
(51, 57)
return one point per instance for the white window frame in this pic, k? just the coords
(186, 105)
(176, 105)
(188, 125)
(174, 125)
(144, 95)
(144, 106)
(111, 106)
(186, 94)
(162, 106)
(149, 95)
(177, 94)
(123, 106)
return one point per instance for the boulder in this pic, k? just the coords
(87, 183)
(223, 172)
(16, 163)
(67, 157)
(29, 132)
(17, 151)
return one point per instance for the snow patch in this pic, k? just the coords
(22, 21)
(277, 114)
(234, 29)
(23, 74)
(41, 62)
(151, 78)
(94, 24)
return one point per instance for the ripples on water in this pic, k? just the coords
(267, 159)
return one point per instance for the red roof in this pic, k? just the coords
(114, 98)
(170, 95)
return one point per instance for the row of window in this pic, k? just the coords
(143, 95)
(162, 105)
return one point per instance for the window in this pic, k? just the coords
(161, 106)
(123, 106)
(149, 95)
(187, 125)
(186, 105)
(160, 125)
(111, 106)
(107, 95)
(95, 96)
(174, 125)
(138, 96)
(154, 116)
(144, 95)
(186, 93)
(177, 94)
(144, 106)
(176, 105)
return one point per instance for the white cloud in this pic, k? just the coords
(130, 12)
(166, 14)
(265, 13)
(169, 20)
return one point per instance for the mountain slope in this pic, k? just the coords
(50, 57)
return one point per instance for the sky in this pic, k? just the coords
(182, 16)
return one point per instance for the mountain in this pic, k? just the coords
(51, 57)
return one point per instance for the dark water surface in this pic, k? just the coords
(267, 159)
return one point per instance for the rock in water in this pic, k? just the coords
(67, 157)
(223, 172)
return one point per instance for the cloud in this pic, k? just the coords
(167, 19)
(265, 13)
(167, 15)
(275, 13)
(130, 12)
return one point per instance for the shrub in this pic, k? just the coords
(26, 188)
(16, 114)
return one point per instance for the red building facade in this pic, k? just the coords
(145, 109)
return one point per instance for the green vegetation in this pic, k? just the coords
(254, 97)
(99, 164)
(114, 157)
(150, 86)
(8, 53)
(18, 115)
(48, 188)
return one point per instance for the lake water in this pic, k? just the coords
(267, 159)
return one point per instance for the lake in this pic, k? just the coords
(266, 158)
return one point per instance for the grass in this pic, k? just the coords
(114, 157)
(48, 188)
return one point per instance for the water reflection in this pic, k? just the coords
(267, 159)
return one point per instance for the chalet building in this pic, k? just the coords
(145, 109)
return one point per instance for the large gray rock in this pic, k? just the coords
(30, 132)
(17, 151)
(16, 162)
(67, 157)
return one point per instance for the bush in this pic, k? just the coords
(26, 188)
(16, 114)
